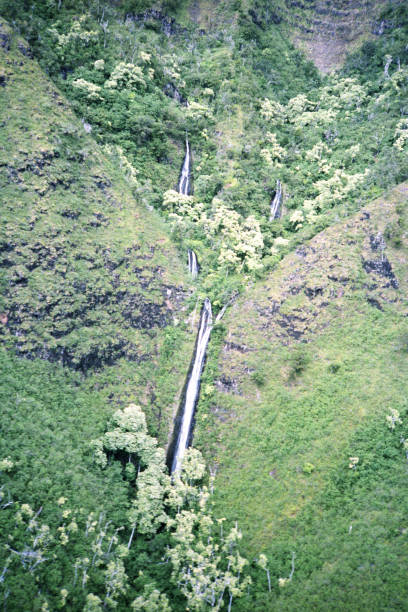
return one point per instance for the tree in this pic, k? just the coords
(129, 438)
(151, 601)
(147, 513)
(205, 566)
(263, 563)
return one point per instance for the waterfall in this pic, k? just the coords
(184, 183)
(275, 212)
(192, 263)
(193, 386)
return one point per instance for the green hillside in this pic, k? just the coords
(90, 277)
(313, 360)
(295, 114)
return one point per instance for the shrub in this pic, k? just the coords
(298, 361)
(308, 468)
(258, 378)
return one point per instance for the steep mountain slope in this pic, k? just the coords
(326, 30)
(312, 360)
(89, 274)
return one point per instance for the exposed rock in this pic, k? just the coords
(145, 315)
(227, 385)
(87, 126)
(377, 242)
(5, 37)
(171, 91)
(326, 29)
(24, 49)
(167, 24)
(265, 17)
(383, 268)
(289, 324)
(374, 303)
(380, 26)
(232, 346)
(312, 292)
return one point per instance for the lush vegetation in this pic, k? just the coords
(90, 279)
(248, 119)
(97, 313)
(78, 538)
(293, 418)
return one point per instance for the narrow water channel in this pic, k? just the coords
(193, 387)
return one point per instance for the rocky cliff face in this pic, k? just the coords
(326, 30)
(89, 274)
(87, 269)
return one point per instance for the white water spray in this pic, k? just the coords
(192, 264)
(275, 211)
(184, 183)
(193, 386)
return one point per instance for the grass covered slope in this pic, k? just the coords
(312, 361)
(89, 274)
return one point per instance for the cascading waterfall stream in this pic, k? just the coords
(184, 182)
(193, 386)
(275, 211)
(192, 264)
(206, 324)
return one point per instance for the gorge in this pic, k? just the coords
(219, 285)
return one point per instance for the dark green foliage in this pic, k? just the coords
(135, 6)
(298, 361)
(258, 378)
(369, 60)
(42, 405)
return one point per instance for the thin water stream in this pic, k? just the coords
(275, 211)
(193, 386)
(184, 182)
(183, 436)
(192, 264)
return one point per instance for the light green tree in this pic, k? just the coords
(151, 601)
(128, 434)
